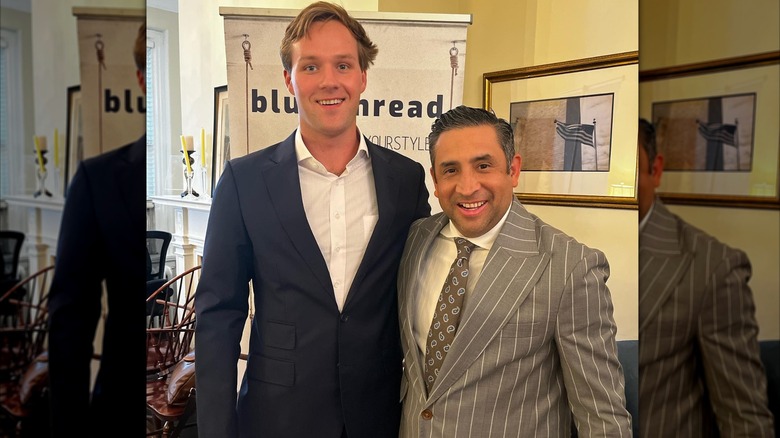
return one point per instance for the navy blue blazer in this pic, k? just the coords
(102, 237)
(311, 371)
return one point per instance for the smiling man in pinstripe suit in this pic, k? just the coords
(699, 363)
(535, 341)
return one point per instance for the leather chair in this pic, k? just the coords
(170, 339)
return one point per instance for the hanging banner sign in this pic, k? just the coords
(113, 106)
(417, 75)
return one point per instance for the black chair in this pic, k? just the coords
(157, 243)
(628, 355)
(11, 246)
(770, 357)
(156, 305)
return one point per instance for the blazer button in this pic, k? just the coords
(427, 414)
(344, 318)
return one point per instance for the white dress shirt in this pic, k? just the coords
(342, 212)
(643, 222)
(437, 264)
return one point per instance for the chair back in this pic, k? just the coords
(11, 247)
(170, 336)
(157, 243)
(24, 322)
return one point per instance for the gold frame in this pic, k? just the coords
(221, 139)
(594, 66)
(721, 71)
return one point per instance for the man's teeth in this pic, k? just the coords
(472, 204)
(330, 101)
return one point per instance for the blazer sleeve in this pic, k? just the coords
(221, 306)
(74, 303)
(585, 337)
(727, 335)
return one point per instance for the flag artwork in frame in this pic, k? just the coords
(716, 127)
(574, 124)
(571, 134)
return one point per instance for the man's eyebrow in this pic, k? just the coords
(485, 157)
(344, 57)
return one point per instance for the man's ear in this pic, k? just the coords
(141, 77)
(435, 185)
(514, 169)
(657, 170)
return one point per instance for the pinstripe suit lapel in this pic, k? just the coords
(511, 270)
(662, 262)
(420, 240)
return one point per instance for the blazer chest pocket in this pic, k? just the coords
(522, 330)
(279, 335)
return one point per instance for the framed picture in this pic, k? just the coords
(575, 129)
(74, 139)
(221, 153)
(716, 126)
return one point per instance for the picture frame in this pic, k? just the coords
(548, 101)
(74, 138)
(736, 98)
(221, 151)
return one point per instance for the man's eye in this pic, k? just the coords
(309, 68)
(343, 67)
(483, 166)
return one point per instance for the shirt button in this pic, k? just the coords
(337, 215)
(427, 414)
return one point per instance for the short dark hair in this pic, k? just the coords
(324, 11)
(647, 141)
(139, 49)
(464, 117)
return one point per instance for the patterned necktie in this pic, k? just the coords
(447, 313)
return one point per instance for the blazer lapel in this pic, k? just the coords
(662, 262)
(512, 269)
(421, 240)
(129, 172)
(387, 197)
(284, 189)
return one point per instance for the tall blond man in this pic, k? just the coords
(317, 224)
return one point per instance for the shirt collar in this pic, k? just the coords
(644, 220)
(484, 241)
(306, 159)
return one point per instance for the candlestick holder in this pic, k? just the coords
(40, 187)
(204, 191)
(189, 192)
(57, 179)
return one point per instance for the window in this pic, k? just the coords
(11, 122)
(158, 121)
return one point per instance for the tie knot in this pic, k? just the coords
(464, 247)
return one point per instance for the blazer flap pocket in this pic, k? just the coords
(269, 370)
(279, 335)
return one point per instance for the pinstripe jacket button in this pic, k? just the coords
(427, 414)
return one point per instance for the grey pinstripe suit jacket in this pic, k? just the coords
(536, 341)
(697, 336)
